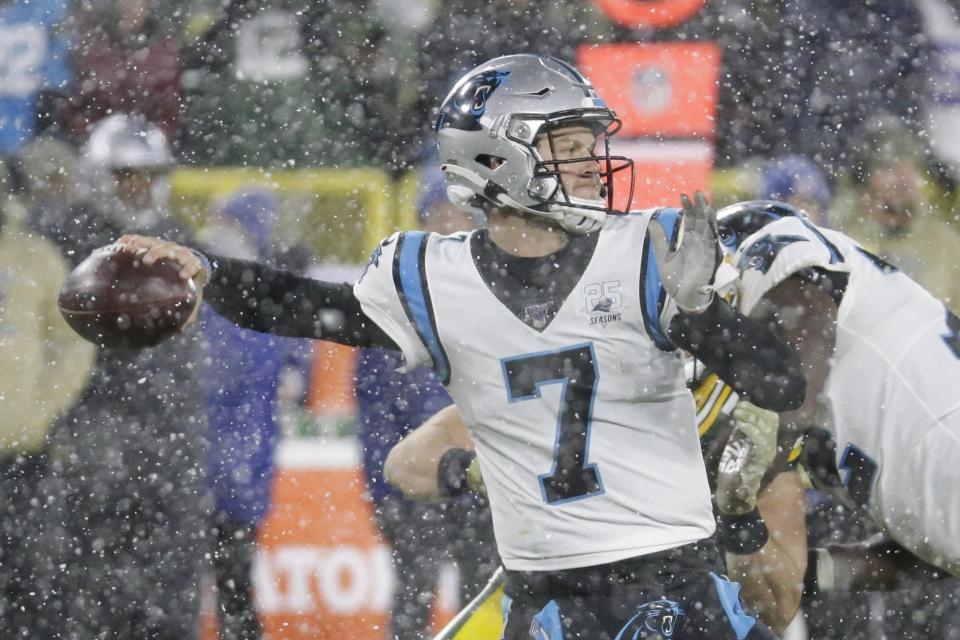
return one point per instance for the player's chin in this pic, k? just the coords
(587, 193)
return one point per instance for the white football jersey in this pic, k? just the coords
(893, 388)
(584, 427)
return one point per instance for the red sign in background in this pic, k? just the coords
(650, 14)
(321, 570)
(666, 95)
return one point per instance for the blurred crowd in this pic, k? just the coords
(119, 471)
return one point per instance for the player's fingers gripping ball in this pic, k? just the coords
(155, 249)
(116, 300)
(746, 458)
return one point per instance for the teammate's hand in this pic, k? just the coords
(746, 458)
(191, 267)
(688, 262)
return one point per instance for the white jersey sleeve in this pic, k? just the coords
(381, 292)
(782, 249)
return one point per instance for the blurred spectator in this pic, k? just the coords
(752, 75)
(892, 215)
(421, 536)
(942, 106)
(123, 63)
(843, 63)
(45, 367)
(50, 172)
(798, 181)
(33, 64)
(291, 83)
(242, 405)
(132, 454)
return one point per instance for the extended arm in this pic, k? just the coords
(258, 297)
(759, 366)
(772, 578)
(413, 465)
(269, 300)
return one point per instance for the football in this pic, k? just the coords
(115, 301)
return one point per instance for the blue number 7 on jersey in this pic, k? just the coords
(571, 477)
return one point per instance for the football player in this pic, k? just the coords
(556, 330)
(881, 356)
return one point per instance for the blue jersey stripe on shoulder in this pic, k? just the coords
(411, 280)
(653, 295)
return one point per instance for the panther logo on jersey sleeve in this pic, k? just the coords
(761, 254)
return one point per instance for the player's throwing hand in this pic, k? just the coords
(190, 264)
(157, 248)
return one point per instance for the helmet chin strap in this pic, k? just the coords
(575, 217)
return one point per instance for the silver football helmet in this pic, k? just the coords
(123, 141)
(489, 127)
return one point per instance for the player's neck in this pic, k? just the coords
(523, 237)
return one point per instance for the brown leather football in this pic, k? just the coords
(113, 300)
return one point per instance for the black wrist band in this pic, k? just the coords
(742, 534)
(452, 472)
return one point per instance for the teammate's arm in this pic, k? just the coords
(772, 578)
(417, 464)
(805, 316)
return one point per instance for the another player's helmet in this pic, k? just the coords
(488, 129)
(123, 141)
(739, 221)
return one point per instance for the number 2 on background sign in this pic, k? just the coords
(22, 49)
(575, 368)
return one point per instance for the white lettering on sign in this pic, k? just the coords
(343, 580)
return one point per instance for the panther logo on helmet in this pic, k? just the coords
(470, 102)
